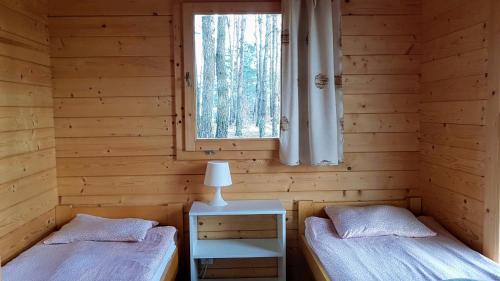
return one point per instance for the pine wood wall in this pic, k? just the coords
(114, 106)
(27, 156)
(453, 114)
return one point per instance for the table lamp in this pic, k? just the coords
(218, 175)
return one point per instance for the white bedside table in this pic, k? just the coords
(239, 248)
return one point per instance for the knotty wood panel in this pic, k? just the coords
(453, 115)
(113, 107)
(109, 7)
(381, 7)
(33, 9)
(455, 18)
(285, 197)
(381, 64)
(113, 87)
(16, 191)
(23, 53)
(24, 236)
(114, 117)
(111, 67)
(19, 166)
(465, 160)
(464, 64)
(450, 209)
(258, 183)
(110, 46)
(464, 183)
(20, 142)
(114, 126)
(439, 7)
(28, 189)
(24, 72)
(454, 135)
(381, 103)
(381, 45)
(123, 146)
(454, 112)
(23, 26)
(459, 89)
(18, 215)
(22, 95)
(24, 118)
(110, 26)
(491, 229)
(370, 142)
(376, 84)
(381, 122)
(465, 230)
(167, 165)
(380, 25)
(455, 43)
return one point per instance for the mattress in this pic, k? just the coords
(389, 258)
(164, 262)
(96, 261)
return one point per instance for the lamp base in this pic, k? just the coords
(218, 201)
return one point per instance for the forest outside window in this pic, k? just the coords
(232, 75)
(237, 61)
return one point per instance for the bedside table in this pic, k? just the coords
(239, 248)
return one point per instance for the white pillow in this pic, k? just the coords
(378, 220)
(90, 228)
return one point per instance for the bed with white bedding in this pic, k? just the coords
(386, 258)
(105, 243)
(98, 261)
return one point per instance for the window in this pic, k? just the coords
(231, 76)
(237, 75)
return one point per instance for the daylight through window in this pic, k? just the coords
(238, 85)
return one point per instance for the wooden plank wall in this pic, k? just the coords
(113, 95)
(453, 111)
(27, 156)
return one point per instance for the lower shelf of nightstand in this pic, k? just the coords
(237, 248)
(243, 279)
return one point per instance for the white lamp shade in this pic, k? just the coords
(218, 174)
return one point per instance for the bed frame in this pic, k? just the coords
(310, 208)
(171, 214)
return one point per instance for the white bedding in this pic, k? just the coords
(386, 258)
(95, 261)
(167, 257)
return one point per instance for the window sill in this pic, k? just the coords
(236, 149)
(236, 144)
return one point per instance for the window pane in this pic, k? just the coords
(238, 83)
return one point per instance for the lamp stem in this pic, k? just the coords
(218, 201)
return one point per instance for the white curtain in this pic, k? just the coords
(311, 110)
